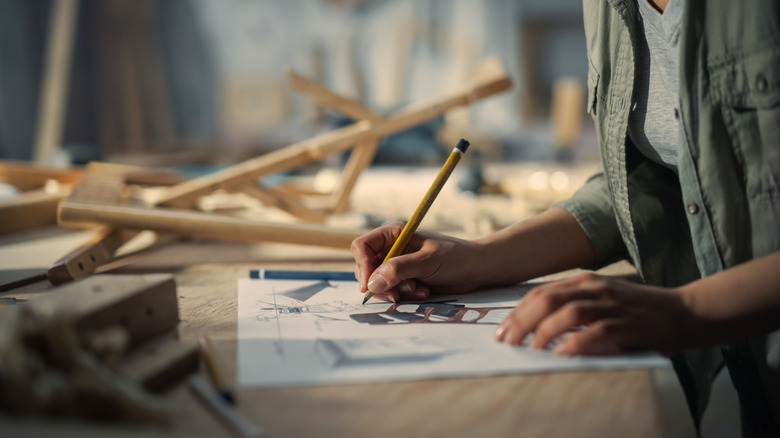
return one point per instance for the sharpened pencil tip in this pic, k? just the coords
(364, 301)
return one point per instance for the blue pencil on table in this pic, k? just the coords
(283, 274)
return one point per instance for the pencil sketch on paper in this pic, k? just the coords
(361, 352)
(293, 332)
(447, 313)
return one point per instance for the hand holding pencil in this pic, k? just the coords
(410, 275)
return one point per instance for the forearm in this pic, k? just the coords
(550, 242)
(737, 303)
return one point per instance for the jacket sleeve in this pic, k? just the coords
(591, 206)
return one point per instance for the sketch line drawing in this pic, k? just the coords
(303, 293)
(447, 313)
(336, 353)
(279, 341)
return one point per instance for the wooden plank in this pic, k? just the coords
(190, 223)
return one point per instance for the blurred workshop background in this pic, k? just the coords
(199, 81)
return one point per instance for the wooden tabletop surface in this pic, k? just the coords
(559, 404)
(626, 402)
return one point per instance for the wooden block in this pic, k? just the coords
(32, 209)
(146, 305)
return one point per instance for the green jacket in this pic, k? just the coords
(727, 195)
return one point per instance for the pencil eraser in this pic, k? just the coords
(462, 145)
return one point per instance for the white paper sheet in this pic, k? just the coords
(294, 332)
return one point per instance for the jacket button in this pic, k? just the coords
(762, 84)
(692, 208)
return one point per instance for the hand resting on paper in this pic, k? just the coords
(621, 316)
(617, 316)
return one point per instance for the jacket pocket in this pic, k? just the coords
(593, 89)
(747, 89)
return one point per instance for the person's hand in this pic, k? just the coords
(617, 315)
(430, 262)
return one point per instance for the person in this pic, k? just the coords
(685, 95)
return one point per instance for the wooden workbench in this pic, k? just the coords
(632, 402)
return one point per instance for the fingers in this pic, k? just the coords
(571, 315)
(599, 339)
(370, 248)
(538, 306)
(555, 309)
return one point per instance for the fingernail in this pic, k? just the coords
(560, 348)
(500, 332)
(377, 284)
(421, 295)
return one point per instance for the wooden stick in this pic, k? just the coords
(324, 97)
(190, 223)
(284, 202)
(82, 261)
(360, 158)
(361, 155)
(59, 47)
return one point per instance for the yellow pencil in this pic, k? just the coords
(411, 226)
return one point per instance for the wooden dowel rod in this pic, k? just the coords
(190, 223)
(324, 97)
(359, 159)
(54, 90)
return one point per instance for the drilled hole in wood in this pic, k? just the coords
(81, 267)
(91, 257)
